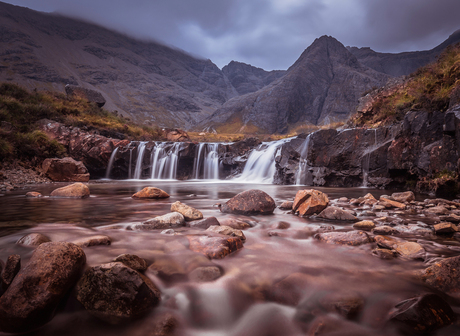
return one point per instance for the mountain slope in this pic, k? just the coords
(322, 86)
(402, 63)
(246, 78)
(146, 81)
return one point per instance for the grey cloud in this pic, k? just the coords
(268, 33)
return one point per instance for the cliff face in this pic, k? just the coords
(322, 86)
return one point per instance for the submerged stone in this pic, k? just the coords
(76, 190)
(352, 238)
(250, 202)
(444, 275)
(151, 193)
(214, 247)
(33, 239)
(335, 213)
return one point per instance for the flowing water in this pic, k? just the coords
(303, 162)
(239, 302)
(206, 164)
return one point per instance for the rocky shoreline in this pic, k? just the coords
(15, 176)
(126, 287)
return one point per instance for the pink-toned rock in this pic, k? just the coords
(151, 192)
(76, 190)
(309, 202)
(250, 202)
(65, 170)
(33, 194)
(214, 247)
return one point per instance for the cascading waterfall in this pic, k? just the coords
(206, 162)
(111, 161)
(303, 162)
(367, 158)
(140, 158)
(164, 160)
(260, 167)
(130, 162)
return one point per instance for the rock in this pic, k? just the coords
(286, 205)
(343, 199)
(33, 194)
(445, 227)
(168, 232)
(402, 197)
(33, 239)
(65, 170)
(335, 213)
(235, 223)
(88, 94)
(444, 275)
(333, 325)
(249, 202)
(289, 290)
(188, 212)
(175, 266)
(386, 242)
(132, 261)
(453, 218)
(437, 210)
(76, 190)
(173, 219)
(205, 274)
(115, 292)
(424, 314)
(352, 238)
(391, 204)
(93, 241)
(204, 223)
(309, 202)
(364, 225)
(12, 267)
(384, 230)
(214, 247)
(378, 207)
(411, 250)
(227, 231)
(176, 135)
(37, 290)
(164, 324)
(384, 253)
(151, 192)
(282, 225)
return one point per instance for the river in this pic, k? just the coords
(237, 303)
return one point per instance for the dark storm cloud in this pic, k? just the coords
(269, 33)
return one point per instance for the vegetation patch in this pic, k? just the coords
(429, 88)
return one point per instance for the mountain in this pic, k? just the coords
(322, 86)
(401, 64)
(246, 78)
(146, 81)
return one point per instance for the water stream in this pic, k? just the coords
(238, 303)
(303, 162)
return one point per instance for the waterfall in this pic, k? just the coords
(140, 157)
(130, 161)
(303, 162)
(164, 160)
(367, 159)
(112, 159)
(206, 162)
(260, 167)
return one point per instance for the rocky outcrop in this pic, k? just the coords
(65, 170)
(51, 272)
(92, 149)
(88, 94)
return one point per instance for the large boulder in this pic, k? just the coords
(88, 94)
(37, 290)
(65, 170)
(249, 202)
(151, 192)
(444, 275)
(309, 202)
(76, 190)
(114, 292)
(423, 314)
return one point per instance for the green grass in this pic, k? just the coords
(20, 109)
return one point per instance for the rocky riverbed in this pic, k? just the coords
(228, 259)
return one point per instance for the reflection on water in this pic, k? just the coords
(239, 303)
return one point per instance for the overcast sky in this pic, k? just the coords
(270, 34)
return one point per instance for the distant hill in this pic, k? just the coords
(155, 84)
